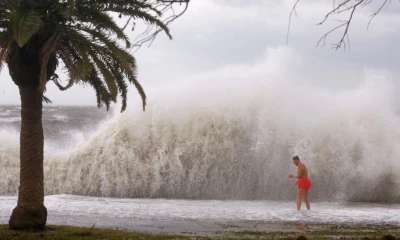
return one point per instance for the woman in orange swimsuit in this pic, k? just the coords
(303, 184)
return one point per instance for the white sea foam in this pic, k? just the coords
(230, 134)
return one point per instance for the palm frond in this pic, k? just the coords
(58, 84)
(123, 89)
(125, 61)
(69, 11)
(66, 57)
(108, 77)
(152, 20)
(143, 6)
(106, 56)
(24, 25)
(46, 99)
(10, 5)
(103, 22)
(49, 50)
(4, 51)
(103, 96)
(133, 79)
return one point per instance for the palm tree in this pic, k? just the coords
(36, 36)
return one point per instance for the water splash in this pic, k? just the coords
(234, 138)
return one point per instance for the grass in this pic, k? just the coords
(315, 232)
(75, 233)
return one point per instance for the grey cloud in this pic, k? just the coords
(243, 41)
(215, 34)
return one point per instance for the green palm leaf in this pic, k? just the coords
(24, 25)
(108, 77)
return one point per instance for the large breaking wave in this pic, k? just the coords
(231, 136)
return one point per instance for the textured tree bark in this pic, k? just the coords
(30, 212)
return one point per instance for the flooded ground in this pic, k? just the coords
(179, 216)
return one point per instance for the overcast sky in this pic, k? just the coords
(214, 35)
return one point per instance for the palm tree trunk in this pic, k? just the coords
(30, 212)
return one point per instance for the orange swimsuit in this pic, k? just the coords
(304, 183)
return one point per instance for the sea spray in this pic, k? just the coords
(230, 134)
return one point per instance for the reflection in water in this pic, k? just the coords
(301, 227)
